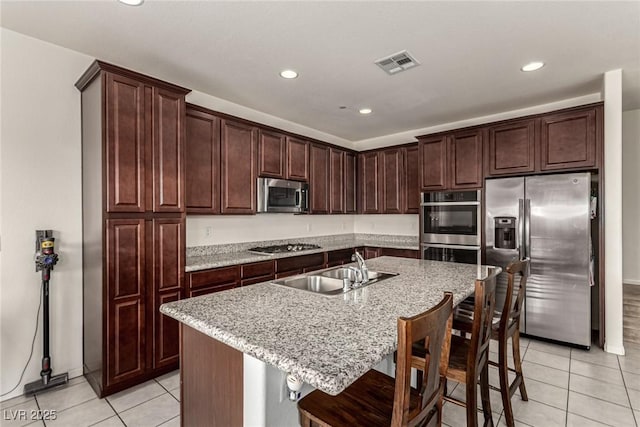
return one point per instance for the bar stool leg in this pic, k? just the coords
(515, 340)
(484, 392)
(505, 389)
(472, 400)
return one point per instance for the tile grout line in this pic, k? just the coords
(566, 412)
(165, 389)
(117, 413)
(633, 413)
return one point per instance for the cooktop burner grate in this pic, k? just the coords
(278, 249)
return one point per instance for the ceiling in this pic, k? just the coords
(470, 54)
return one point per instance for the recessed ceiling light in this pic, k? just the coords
(132, 2)
(365, 111)
(532, 66)
(288, 74)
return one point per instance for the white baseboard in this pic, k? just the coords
(631, 281)
(77, 372)
(615, 349)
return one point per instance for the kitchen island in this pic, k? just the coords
(237, 345)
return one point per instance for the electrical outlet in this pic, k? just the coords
(208, 232)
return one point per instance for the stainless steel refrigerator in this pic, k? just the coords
(547, 219)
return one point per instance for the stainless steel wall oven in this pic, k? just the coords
(451, 224)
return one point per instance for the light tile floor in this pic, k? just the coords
(566, 387)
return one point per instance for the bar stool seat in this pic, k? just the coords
(376, 399)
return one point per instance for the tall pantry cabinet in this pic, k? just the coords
(133, 224)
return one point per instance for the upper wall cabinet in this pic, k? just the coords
(451, 161)
(562, 140)
(337, 181)
(350, 182)
(369, 182)
(568, 140)
(411, 199)
(272, 152)
(319, 182)
(392, 172)
(238, 158)
(297, 159)
(202, 162)
(511, 147)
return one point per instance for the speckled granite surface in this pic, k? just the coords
(204, 257)
(327, 342)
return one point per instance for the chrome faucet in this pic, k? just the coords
(362, 272)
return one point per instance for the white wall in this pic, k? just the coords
(613, 211)
(631, 196)
(40, 188)
(403, 225)
(217, 230)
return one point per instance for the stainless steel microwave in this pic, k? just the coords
(280, 195)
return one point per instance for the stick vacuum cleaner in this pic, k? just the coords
(46, 258)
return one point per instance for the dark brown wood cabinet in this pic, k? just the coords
(213, 280)
(319, 182)
(297, 159)
(392, 179)
(369, 182)
(238, 152)
(511, 147)
(370, 252)
(257, 272)
(296, 265)
(465, 159)
(133, 184)
(411, 195)
(339, 257)
(337, 181)
(568, 140)
(167, 282)
(562, 140)
(451, 161)
(350, 182)
(433, 163)
(272, 152)
(202, 161)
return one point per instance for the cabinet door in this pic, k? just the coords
(337, 184)
(168, 151)
(297, 159)
(350, 183)
(568, 140)
(168, 282)
(202, 162)
(272, 151)
(466, 159)
(371, 253)
(239, 149)
(392, 181)
(125, 267)
(369, 184)
(125, 146)
(511, 148)
(319, 179)
(433, 163)
(411, 199)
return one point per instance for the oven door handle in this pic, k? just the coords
(444, 246)
(450, 203)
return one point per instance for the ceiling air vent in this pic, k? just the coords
(397, 62)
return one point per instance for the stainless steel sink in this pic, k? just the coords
(330, 282)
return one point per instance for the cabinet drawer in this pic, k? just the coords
(211, 289)
(218, 276)
(257, 269)
(259, 279)
(339, 257)
(314, 268)
(402, 253)
(299, 262)
(288, 273)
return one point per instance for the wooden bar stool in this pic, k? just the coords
(376, 399)
(506, 324)
(469, 358)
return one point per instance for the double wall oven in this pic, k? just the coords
(451, 224)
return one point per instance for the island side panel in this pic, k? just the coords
(211, 381)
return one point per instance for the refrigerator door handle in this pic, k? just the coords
(520, 241)
(527, 232)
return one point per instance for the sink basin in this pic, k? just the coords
(330, 282)
(318, 284)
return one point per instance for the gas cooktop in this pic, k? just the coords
(278, 249)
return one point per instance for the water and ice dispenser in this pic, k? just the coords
(505, 227)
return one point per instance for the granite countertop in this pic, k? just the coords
(202, 259)
(327, 342)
